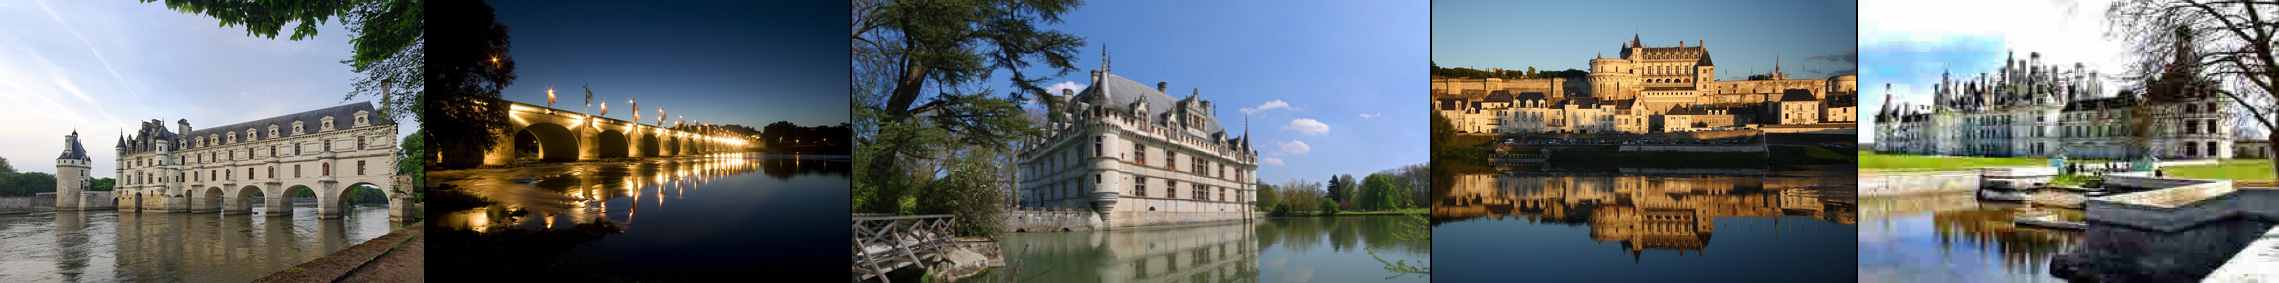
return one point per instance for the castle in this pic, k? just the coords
(228, 169)
(1137, 157)
(2028, 108)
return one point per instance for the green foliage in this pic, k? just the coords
(5, 168)
(1383, 191)
(1267, 198)
(386, 36)
(25, 183)
(1328, 207)
(267, 18)
(970, 191)
(411, 155)
(103, 184)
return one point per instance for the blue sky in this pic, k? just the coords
(742, 62)
(1744, 37)
(102, 66)
(1901, 46)
(1331, 83)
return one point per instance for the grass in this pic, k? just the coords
(2228, 169)
(1871, 161)
(2072, 180)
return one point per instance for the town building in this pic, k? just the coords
(1137, 157)
(1646, 90)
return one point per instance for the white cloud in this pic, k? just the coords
(2063, 31)
(1270, 161)
(1308, 126)
(1370, 115)
(1296, 147)
(1067, 85)
(1263, 107)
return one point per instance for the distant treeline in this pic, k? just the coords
(14, 183)
(1529, 73)
(784, 136)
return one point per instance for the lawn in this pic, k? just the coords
(2228, 169)
(1871, 161)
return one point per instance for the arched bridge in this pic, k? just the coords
(557, 135)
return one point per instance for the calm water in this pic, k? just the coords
(1311, 249)
(108, 246)
(1956, 238)
(651, 219)
(1611, 227)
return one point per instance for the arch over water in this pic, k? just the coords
(547, 142)
(649, 147)
(350, 195)
(613, 144)
(242, 200)
(207, 199)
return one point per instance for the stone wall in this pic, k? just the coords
(10, 205)
(2176, 233)
(1910, 183)
(1051, 220)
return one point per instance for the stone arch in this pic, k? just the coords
(549, 142)
(282, 203)
(206, 199)
(336, 204)
(242, 199)
(612, 144)
(648, 144)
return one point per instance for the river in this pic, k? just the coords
(653, 219)
(108, 246)
(1302, 249)
(1625, 226)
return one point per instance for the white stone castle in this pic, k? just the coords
(230, 168)
(2027, 108)
(1649, 90)
(1137, 157)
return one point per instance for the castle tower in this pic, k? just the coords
(71, 174)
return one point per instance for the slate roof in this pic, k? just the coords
(1118, 92)
(72, 150)
(343, 117)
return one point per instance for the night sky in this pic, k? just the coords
(739, 62)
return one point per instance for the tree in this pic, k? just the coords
(1329, 207)
(2178, 42)
(102, 184)
(410, 160)
(1266, 197)
(471, 66)
(1382, 191)
(936, 51)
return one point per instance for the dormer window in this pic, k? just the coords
(215, 139)
(251, 135)
(232, 137)
(273, 131)
(325, 125)
(361, 120)
(297, 128)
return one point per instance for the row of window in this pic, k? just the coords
(139, 178)
(251, 135)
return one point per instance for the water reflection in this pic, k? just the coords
(647, 219)
(1631, 226)
(106, 246)
(1276, 250)
(1955, 237)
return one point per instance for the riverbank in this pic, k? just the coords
(396, 257)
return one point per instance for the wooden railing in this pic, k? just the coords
(884, 243)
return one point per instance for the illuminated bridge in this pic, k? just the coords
(557, 135)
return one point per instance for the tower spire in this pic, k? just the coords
(1104, 60)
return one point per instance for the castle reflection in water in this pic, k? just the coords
(1644, 212)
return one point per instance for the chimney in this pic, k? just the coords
(1159, 86)
(184, 125)
(1067, 92)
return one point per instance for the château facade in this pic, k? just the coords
(2027, 108)
(1647, 90)
(224, 169)
(1137, 157)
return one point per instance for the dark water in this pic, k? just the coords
(651, 219)
(1614, 227)
(108, 246)
(1311, 249)
(1956, 238)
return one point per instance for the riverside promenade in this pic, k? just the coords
(396, 257)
